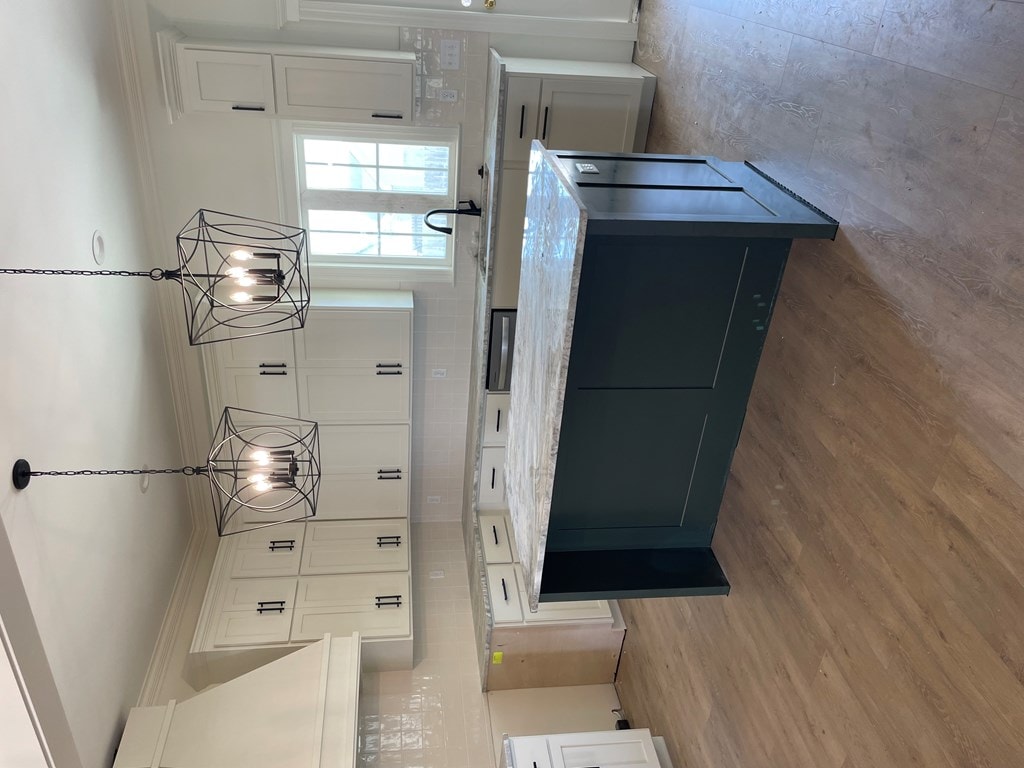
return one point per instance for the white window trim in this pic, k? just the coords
(361, 275)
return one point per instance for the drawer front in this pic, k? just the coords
(356, 547)
(236, 628)
(496, 419)
(501, 585)
(492, 478)
(496, 542)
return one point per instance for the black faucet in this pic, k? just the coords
(472, 210)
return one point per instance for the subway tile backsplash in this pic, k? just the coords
(434, 715)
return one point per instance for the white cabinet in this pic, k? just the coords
(581, 105)
(495, 539)
(355, 366)
(631, 748)
(364, 472)
(496, 418)
(504, 593)
(225, 81)
(345, 89)
(294, 81)
(375, 605)
(255, 612)
(358, 546)
(491, 493)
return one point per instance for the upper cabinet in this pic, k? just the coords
(294, 81)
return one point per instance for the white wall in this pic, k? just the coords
(84, 378)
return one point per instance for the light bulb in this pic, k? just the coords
(259, 483)
(245, 281)
(467, 3)
(241, 297)
(236, 272)
(260, 457)
(240, 254)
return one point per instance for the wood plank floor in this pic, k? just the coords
(873, 526)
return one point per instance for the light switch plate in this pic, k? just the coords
(449, 95)
(586, 168)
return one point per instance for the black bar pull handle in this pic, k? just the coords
(385, 116)
(270, 606)
(389, 477)
(389, 541)
(389, 365)
(494, 472)
(495, 529)
(247, 108)
(389, 373)
(388, 601)
(396, 470)
(522, 120)
(497, 424)
(273, 365)
(504, 590)
(273, 373)
(544, 133)
(282, 544)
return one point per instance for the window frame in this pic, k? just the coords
(374, 270)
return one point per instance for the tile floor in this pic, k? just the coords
(434, 715)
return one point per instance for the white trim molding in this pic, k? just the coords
(295, 11)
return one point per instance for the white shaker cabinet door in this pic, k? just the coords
(357, 546)
(521, 113)
(504, 594)
(373, 392)
(496, 418)
(353, 337)
(226, 81)
(495, 539)
(593, 115)
(365, 471)
(492, 478)
(351, 90)
(265, 387)
(609, 749)
(374, 605)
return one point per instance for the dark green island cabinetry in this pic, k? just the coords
(646, 294)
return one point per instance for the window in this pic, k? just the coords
(362, 194)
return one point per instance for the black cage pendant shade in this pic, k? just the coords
(239, 276)
(259, 474)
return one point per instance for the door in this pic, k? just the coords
(355, 90)
(254, 612)
(592, 115)
(226, 81)
(365, 472)
(522, 108)
(268, 387)
(631, 748)
(372, 392)
(356, 547)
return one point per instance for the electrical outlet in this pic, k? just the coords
(448, 94)
(451, 54)
(433, 499)
(439, 373)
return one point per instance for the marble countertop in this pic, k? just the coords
(556, 223)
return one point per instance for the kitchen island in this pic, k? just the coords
(646, 291)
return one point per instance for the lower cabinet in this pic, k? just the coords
(630, 748)
(279, 587)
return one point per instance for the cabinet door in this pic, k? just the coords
(279, 557)
(356, 547)
(336, 338)
(268, 387)
(508, 250)
(531, 751)
(492, 478)
(355, 395)
(495, 539)
(496, 418)
(521, 113)
(254, 612)
(226, 81)
(243, 351)
(591, 115)
(353, 90)
(375, 605)
(365, 472)
(622, 749)
(501, 586)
